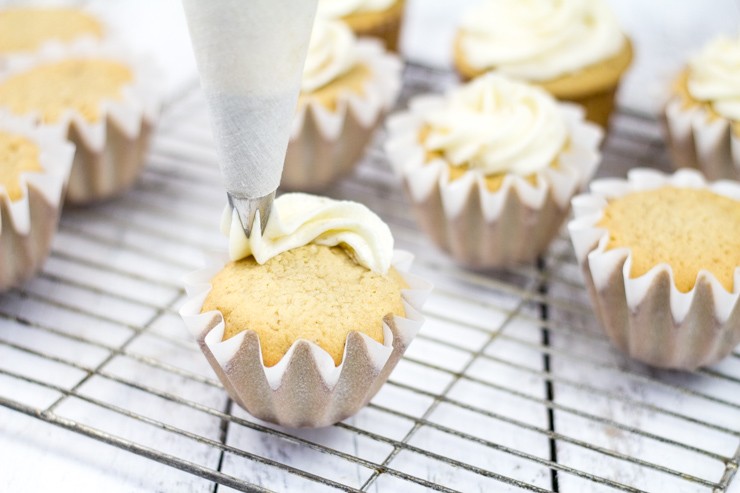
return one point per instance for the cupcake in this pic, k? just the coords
(303, 323)
(24, 30)
(102, 99)
(35, 168)
(702, 117)
(572, 48)
(368, 18)
(661, 259)
(490, 168)
(347, 88)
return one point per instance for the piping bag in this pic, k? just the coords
(250, 55)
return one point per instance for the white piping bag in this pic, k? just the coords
(250, 55)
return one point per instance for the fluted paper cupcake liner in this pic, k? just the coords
(110, 152)
(647, 317)
(483, 229)
(28, 225)
(326, 145)
(696, 139)
(304, 389)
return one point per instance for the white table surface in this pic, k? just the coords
(39, 457)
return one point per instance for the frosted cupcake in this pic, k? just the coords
(35, 168)
(305, 322)
(573, 48)
(703, 114)
(368, 18)
(101, 98)
(348, 86)
(24, 30)
(661, 259)
(490, 168)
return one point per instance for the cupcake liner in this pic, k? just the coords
(325, 144)
(700, 140)
(388, 30)
(27, 225)
(110, 152)
(304, 389)
(647, 317)
(483, 229)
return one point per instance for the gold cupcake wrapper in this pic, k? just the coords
(597, 95)
(304, 389)
(110, 152)
(325, 145)
(28, 225)
(387, 29)
(483, 229)
(647, 317)
(701, 141)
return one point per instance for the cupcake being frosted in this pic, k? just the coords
(308, 318)
(703, 114)
(490, 167)
(368, 18)
(347, 87)
(575, 49)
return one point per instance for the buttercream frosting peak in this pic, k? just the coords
(714, 76)
(539, 39)
(497, 125)
(298, 219)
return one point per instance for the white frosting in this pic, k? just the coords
(334, 9)
(714, 76)
(332, 52)
(498, 126)
(298, 219)
(539, 39)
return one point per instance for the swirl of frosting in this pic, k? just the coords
(497, 125)
(539, 39)
(334, 9)
(714, 76)
(298, 219)
(331, 53)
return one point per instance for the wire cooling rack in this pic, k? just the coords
(509, 386)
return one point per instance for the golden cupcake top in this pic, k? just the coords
(53, 88)
(26, 29)
(314, 292)
(689, 229)
(18, 155)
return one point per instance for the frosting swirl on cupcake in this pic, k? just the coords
(497, 125)
(331, 54)
(714, 76)
(298, 219)
(539, 39)
(340, 8)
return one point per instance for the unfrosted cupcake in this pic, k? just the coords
(24, 30)
(572, 48)
(490, 168)
(368, 18)
(703, 114)
(34, 168)
(348, 86)
(303, 323)
(101, 98)
(661, 259)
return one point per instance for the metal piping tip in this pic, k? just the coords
(246, 209)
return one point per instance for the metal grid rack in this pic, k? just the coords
(509, 386)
